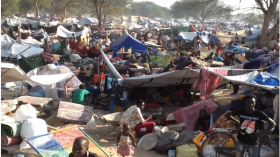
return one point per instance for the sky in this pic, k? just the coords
(234, 3)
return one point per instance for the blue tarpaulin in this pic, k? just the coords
(127, 41)
(208, 38)
(253, 37)
(267, 79)
(88, 20)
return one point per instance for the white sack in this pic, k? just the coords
(91, 125)
(24, 112)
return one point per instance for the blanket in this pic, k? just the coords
(8, 140)
(11, 129)
(190, 114)
(8, 106)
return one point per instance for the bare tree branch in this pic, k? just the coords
(259, 2)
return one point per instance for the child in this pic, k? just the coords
(80, 148)
(124, 144)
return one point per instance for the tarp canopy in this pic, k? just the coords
(208, 38)
(72, 21)
(32, 42)
(245, 79)
(133, 18)
(127, 41)
(130, 25)
(63, 32)
(9, 48)
(110, 68)
(187, 35)
(177, 77)
(88, 20)
(124, 18)
(185, 29)
(253, 37)
(12, 73)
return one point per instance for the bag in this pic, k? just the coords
(188, 150)
(33, 127)
(24, 112)
(91, 125)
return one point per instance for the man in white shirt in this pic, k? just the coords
(164, 41)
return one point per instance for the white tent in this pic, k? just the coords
(9, 48)
(32, 42)
(89, 20)
(12, 73)
(72, 21)
(63, 32)
(187, 35)
(130, 25)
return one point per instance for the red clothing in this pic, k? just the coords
(209, 82)
(72, 44)
(148, 125)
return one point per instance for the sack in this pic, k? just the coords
(33, 127)
(188, 150)
(24, 112)
(91, 125)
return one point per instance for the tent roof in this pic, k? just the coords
(12, 73)
(208, 38)
(130, 25)
(253, 37)
(88, 20)
(63, 32)
(32, 42)
(127, 41)
(187, 35)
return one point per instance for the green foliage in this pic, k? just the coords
(9, 7)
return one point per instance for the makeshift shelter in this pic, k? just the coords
(253, 37)
(124, 18)
(11, 49)
(185, 29)
(209, 38)
(63, 32)
(72, 21)
(133, 18)
(32, 42)
(130, 25)
(127, 41)
(89, 20)
(187, 36)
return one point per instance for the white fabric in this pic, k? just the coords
(32, 42)
(54, 23)
(170, 117)
(33, 127)
(18, 49)
(91, 125)
(24, 112)
(276, 108)
(88, 20)
(188, 35)
(148, 141)
(63, 32)
(130, 25)
(72, 21)
(111, 69)
(75, 57)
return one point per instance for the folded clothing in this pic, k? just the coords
(8, 106)
(11, 129)
(8, 140)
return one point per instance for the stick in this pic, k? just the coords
(5, 74)
(21, 88)
(195, 89)
(68, 82)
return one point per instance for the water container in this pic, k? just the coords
(199, 139)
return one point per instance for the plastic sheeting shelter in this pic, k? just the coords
(12, 73)
(89, 20)
(208, 38)
(127, 41)
(130, 25)
(111, 69)
(32, 42)
(9, 48)
(63, 32)
(187, 35)
(253, 37)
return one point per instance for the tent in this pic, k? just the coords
(127, 41)
(32, 42)
(124, 18)
(208, 38)
(89, 20)
(13, 73)
(253, 37)
(9, 48)
(133, 18)
(63, 32)
(187, 36)
(130, 25)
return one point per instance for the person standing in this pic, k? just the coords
(164, 41)
(249, 126)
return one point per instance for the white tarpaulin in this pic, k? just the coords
(111, 69)
(177, 77)
(72, 21)
(88, 20)
(130, 25)
(63, 32)
(187, 35)
(9, 48)
(12, 73)
(245, 79)
(32, 42)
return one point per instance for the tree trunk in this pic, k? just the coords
(37, 9)
(264, 36)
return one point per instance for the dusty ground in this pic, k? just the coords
(101, 134)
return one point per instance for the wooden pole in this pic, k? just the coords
(65, 88)
(5, 74)
(98, 70)
(21, 88)
(196, 87)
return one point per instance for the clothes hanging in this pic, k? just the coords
(209, 82)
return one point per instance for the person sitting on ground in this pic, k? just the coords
(81, 96)
(203, 121)
(249, 131)
(134, 118)
(80, 148)
(119, 98)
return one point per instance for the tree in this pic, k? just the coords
(41, 3)
(177, 11)
(203, 10)
(269, 8)
(9, 7)
(25, 6)
(103, 8)
(60, 7)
